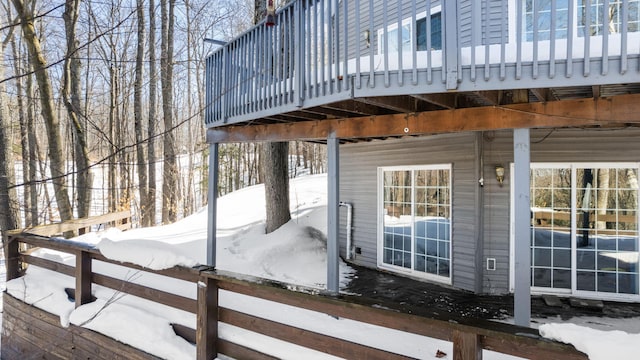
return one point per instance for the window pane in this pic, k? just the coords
(416, 223)
(435, 33)
(551, 227)
(541, 10)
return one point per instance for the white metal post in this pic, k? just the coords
(521, 221)
(333, 194)
(212, 202)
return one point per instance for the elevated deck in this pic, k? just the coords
(326, 59)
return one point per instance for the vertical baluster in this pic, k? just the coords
(336, 45)
(503, 41)
(487, 45)
(251, 68)
(307, 12)
(259, 46)
(570, 34)
(519, 39)
(371, 47)
(428, 25)
(345, 36)
(280, 55)
(207, 90)
(223, 85)
(323, 59)
(474, 37)
(271, 65)
(587, 38)
(296, 50)
(400, 45)
(315, 47)
(358, 43)
(552, 41)
(330, 55)
(623, 36)
(385, 27)
(536, 16)
(414, 45)
(605, 38)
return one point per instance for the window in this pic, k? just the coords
(411, 33)
(415, 209)
(435, 33)
(612, 18)
(543, 11)
(584, 228)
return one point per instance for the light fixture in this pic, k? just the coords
(500, 174)
(366, 36)
(271, 13)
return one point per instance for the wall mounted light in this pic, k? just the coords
(366, 36)
(500, 174)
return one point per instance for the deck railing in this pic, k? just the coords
(323, 51)
(469, 337)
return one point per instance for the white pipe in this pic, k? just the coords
(349, 216)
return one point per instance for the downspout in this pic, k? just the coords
(348, 227)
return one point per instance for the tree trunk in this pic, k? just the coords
(34, 154)
(170, 171)
(37, 60)
(24, 133)
(9, 215)
(603, 197)
(71, 96)
(137, 114)
(151, 152)
(276, 184)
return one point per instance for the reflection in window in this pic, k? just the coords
(416, 208)
(542, 10)
(603, 202)
(598, 17)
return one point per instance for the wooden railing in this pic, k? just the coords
(469, 337)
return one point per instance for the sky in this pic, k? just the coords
(292, 254)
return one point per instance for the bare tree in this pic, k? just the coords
(39, 64)
(137, 113)
(276, 170)
(71, 96)
(151, 152)
(170, 170)
(9, 216)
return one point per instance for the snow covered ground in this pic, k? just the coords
(295, 254)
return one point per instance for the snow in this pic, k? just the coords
(598, 344)
(295, 253)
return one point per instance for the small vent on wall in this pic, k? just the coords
(491, 264)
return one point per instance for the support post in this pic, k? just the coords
(451, 42)
(466, 346)
(207, 319)
(333, 194)
(84, 273)
(12, 257)
(521, 223)
(212, 205)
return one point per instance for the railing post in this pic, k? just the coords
(451, 48)
(207, 323)
(466, 346)
(83, 278)
(299, 51)
(12, 257)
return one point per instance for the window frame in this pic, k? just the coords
(413, 45)
(380, 228)
(574, 167)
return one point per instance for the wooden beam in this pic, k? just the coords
(491, 97)
(403, 104)
(623, 109)
(355, 107)
(83, 276)
(541, 94)
(446, 101)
